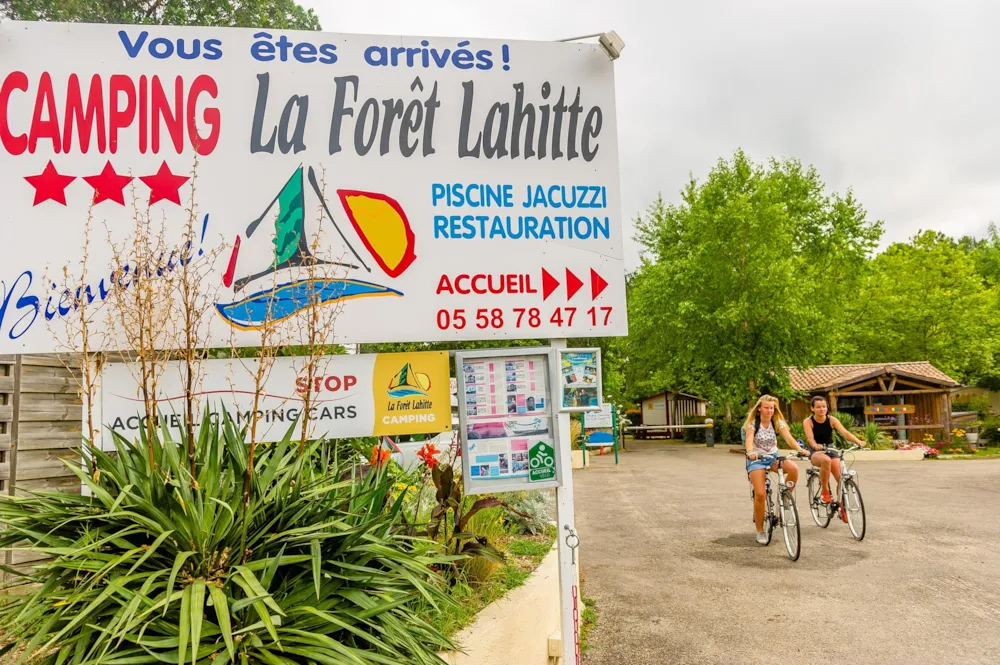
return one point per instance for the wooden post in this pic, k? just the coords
(15, 427)
(947, 416)
(833, 401)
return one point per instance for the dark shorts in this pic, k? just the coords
(833, 454)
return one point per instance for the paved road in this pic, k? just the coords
(669, 555)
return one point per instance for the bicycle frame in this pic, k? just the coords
(844, 472)
(775, 518)
(840, 503)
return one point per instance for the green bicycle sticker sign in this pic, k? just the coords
(541, 462)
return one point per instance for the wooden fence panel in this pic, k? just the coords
(40, 425)
(50, 423)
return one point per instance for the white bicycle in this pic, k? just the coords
(848, 495)
(787, 516)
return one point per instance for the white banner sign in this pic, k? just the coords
(351, 395)
(440, 189)
(599, 419)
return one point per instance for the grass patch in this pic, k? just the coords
(529, 548)
(981, 453)
(587, 620)
(523, 554)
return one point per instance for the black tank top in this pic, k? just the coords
(822, 432)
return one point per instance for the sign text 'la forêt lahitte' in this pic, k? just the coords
(461, 189)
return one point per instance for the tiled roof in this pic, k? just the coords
(830, 376)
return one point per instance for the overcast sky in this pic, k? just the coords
(897, 99)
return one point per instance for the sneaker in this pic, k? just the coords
(843, 514)
(826, 498)
(762, 538)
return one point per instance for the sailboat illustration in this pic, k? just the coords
(377, 220)
(407, 382)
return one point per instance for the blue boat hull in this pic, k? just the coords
(286, 300)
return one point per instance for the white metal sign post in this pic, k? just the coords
(569, 578)
(510, 403)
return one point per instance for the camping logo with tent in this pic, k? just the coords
(408, 382)
(377, 220)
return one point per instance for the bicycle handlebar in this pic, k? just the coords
(845, 450)
(778, 456)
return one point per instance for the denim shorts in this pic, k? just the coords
(763, 462)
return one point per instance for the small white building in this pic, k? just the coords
(670, 408)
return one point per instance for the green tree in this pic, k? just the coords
(275, 14)
(985, 253)
(925, 300)
(746, 276)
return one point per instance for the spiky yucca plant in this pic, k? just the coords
(152, 567)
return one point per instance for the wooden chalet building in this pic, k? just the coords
(668, 408)
(905, 399)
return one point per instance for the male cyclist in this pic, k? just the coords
(819, 435)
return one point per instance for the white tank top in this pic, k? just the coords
(765, 441)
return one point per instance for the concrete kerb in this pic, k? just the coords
(521, 627)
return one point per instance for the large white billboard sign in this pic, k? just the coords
(459, 189)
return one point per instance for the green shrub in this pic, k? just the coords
(694, 435)
(873, 437)
(534, 508)
(798, 431)
(989, 432)
(160, 566)
(847, 420)
(978, 403)
(489, 524)
(727, 431)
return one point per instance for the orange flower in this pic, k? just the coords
(379, 455)
(428, 454)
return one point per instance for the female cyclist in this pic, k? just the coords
(764, 422)
(819, 436)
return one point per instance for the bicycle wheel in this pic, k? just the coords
(855, 509)
(768, 519)
(819, 510)
(790, 526)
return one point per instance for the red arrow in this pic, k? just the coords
(573, 284)
(597, 284)
(549, 284)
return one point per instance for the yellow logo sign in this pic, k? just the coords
(411, 393)
(409, 382)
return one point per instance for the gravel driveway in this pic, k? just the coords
(669, 556)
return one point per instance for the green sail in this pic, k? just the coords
(289, 227)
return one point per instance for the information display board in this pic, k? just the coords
(580, 386)
(508, 429)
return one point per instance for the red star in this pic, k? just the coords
(164, 185)
(108, 185)
(49, 184)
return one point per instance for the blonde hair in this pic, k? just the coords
(776, 420)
